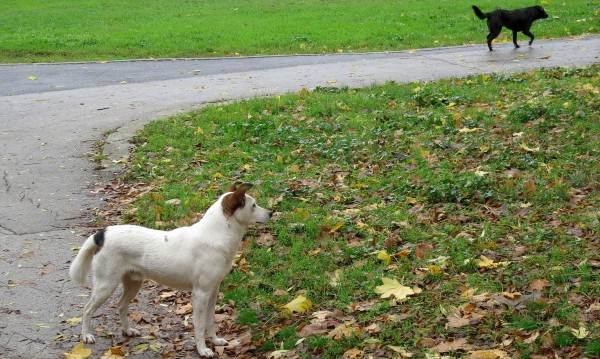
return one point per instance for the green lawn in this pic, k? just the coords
(479, 194)
(62, 30)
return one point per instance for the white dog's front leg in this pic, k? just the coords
(200, 301)
(210, 320)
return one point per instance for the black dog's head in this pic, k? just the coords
(541, 14)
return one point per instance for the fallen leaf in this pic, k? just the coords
(529, 149)
(456, 322)
(400, 350)
(299, 305)
(532, 338)
(336, 227)
(580, 333)
(313, 329)
(539, 284)
(184, 309)
(168, 296)
(79, 352)
(32, 78)
(113, 353)
(423, 249)
(277, 354)
(468, 130)
(450, 346)
(75, 320)
(392, 287)
(343, 330)
(489, 354)
(484, 262)
(353, 353)
(384, 257)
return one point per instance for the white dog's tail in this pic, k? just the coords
(82, 264)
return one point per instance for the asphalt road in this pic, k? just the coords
(51, 115)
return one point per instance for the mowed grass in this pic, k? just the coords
(61, 30)
(480, 193)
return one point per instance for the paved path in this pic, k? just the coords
(51, 115)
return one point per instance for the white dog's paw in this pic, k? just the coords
(88, 339)
(132, 332)
(219, 341)
(205, 352)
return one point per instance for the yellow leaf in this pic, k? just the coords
(32, 78)
(580, 333)
(529, 149)
(75, 320)
(468, 130)
(299, 305)
(484, 262)
(392, 287)
(199, 131)
(113, 353)
(336, 227)
(294, 169)
(78, 352)
(530, 186)
(433, 269)
(384, 256)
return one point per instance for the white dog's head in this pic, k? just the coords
(242, 207)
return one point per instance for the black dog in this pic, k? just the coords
(515, 20)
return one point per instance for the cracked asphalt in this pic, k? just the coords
(52, 114)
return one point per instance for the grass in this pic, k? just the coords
(482, 192)
(61, 30)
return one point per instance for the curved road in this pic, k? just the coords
(51, 115)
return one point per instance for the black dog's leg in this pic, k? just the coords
(515, 40)
(494, 32)
(489, 41)
(528, 33)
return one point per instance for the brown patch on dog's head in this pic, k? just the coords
(236, 199)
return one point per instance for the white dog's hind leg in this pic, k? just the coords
(101, 292)
(200, 301)
(132, 283)
(210, 320)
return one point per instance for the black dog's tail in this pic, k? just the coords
(479, 13)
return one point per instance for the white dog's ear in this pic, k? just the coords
(235, 200)
(233, 187)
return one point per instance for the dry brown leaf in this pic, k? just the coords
(312, 329)
(539, 284)
(456, 322)
(450, 346)
(353, 353)
(489, 354)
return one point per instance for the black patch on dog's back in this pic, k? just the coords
(99, 238)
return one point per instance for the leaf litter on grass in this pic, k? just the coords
(481, 192)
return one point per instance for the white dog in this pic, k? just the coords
(195, 258)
